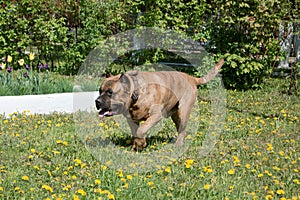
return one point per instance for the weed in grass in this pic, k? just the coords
(257, 156)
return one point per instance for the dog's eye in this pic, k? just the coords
(109, 92)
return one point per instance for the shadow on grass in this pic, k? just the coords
(126, 142)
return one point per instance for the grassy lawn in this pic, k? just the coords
(257, 155)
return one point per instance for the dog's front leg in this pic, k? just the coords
(136, 141)
(133, 126)
(155, 115)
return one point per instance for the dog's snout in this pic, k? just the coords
(98, 103)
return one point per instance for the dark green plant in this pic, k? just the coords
(246, 34)
(29, 82)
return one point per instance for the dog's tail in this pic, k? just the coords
(211, 74)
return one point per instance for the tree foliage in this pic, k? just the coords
(62, 33)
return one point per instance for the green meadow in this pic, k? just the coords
(256, 155)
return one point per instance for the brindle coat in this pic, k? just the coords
(149, 96)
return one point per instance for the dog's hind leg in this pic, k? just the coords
(180, 126)
(180, 117)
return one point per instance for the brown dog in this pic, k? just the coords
(149, 96)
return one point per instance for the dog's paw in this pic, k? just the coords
(139, 144)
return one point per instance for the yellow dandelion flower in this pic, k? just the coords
(1, 189)
(260, 175)
(36, 167)
(268, 173)
(268, 197)
(97, 190)
(81, 191)
(269, 147)
(67, 187)
(151, 183)
(235, 159)
(188, 163)
(97, 182)
(47, 187)
(280, 192)
(231, 188)
(207, 186)
(25, 178)
(170, 188)
(208, 169)
(123, 179)
(276, 168)
(120, 174)
(75, 197)
(296, 181)
(231, 171)
(59, 141)
(129, 177)
(168, 169)
(55, 152)
(78, 161)
(83, 165)
(296, 170)
(111, 196)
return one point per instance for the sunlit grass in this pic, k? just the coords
(257, 156)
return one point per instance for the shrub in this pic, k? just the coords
(246, 34)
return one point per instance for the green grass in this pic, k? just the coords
(257, 156)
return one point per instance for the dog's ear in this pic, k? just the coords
(124, 79)
(125, 82)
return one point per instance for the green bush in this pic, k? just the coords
(62, 33)
(246, 34)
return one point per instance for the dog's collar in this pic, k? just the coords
(135, 94)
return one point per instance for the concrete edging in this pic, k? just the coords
(48, 103)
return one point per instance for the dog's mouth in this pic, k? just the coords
(105, 113)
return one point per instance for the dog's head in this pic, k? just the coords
(114, 95)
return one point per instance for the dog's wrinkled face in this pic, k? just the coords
(112, 97)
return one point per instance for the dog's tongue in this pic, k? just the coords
(107, 113)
